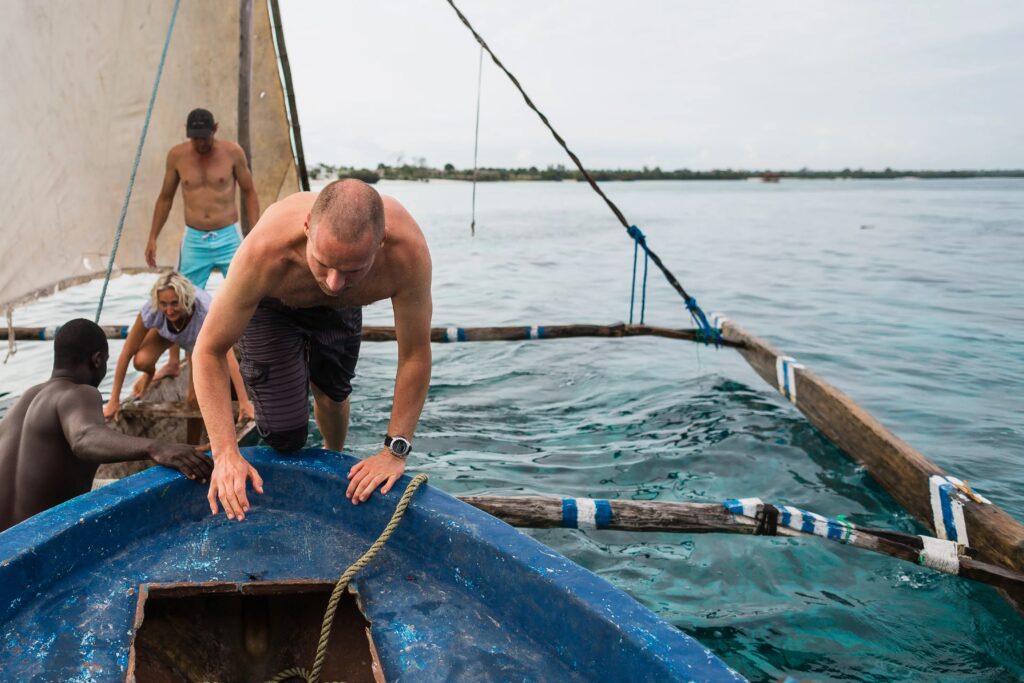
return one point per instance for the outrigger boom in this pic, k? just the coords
(943, 503)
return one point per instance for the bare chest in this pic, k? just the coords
(299, 289)
(216, 174)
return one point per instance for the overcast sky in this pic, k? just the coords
(663, 83)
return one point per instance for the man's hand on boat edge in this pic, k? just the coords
(382, 469)
(231, 474)
(185, 459)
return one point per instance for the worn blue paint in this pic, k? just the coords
(456, 595)
(569, 513)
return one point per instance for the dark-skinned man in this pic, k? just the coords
(54, 438)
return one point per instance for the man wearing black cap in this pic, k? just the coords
(207, 169)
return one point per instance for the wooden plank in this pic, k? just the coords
(542, 512)
(441, 335)
(893, 463)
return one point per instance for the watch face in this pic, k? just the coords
(399, 446)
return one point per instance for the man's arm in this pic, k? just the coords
(413, 309)
(250, 200)
(164, 202)
(229, 314)
(80, 411)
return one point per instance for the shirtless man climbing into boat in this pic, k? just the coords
(294, 298)
(208, 170)
(53, 439)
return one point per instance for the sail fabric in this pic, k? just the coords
(75, 82)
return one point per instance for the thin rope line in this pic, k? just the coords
(138, 158)
(691, 303)
(476, 137)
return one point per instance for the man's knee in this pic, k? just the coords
(325, 402)
(286, 441)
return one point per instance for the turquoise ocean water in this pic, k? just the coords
(908, 295)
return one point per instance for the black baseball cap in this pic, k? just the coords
(200, 124)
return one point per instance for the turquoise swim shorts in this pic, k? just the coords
(204, 250)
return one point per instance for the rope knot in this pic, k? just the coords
(637, 235)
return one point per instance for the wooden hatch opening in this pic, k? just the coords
(240, 632)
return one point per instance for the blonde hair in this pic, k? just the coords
(181, 285)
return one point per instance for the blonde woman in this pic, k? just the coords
(174, 314)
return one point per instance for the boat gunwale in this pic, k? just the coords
(665, 650)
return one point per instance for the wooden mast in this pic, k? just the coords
(289, 93)
(245, 90)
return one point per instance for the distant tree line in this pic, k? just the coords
(421, 171)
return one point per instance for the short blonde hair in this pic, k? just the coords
(181, 285)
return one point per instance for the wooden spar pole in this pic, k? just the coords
(289, 93)
(900, 469)
(244, 89)
(453, 334)
(540, 512)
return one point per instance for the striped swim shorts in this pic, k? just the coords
(283, 351)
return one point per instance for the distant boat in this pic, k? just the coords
(770, 177)
(137, 581)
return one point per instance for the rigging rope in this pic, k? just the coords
(476, 137)
(710, 333)
(12, 346)
(638, 239)
(138, 158)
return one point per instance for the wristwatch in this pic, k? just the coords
(398, 445)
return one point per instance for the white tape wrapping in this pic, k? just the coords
(750, 506)
(586, 513)
(785, 372)
(943, 556)
(947, 499)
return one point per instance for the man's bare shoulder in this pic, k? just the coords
(178, 151)
(71, 397)
(395, 211)
(233, 149)
(270, 244)
(53, 397)
(284, 217)
(404, 232)
(407, 251)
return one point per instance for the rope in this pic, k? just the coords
(638, 238)
(476, 137)
(339, 588)
(710, 334)
(12, 346)
(138, 158)
(313, 675)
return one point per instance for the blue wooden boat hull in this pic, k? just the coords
(456, 595)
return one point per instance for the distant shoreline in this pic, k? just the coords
(561, 173)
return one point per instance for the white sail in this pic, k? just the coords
(75, 83)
